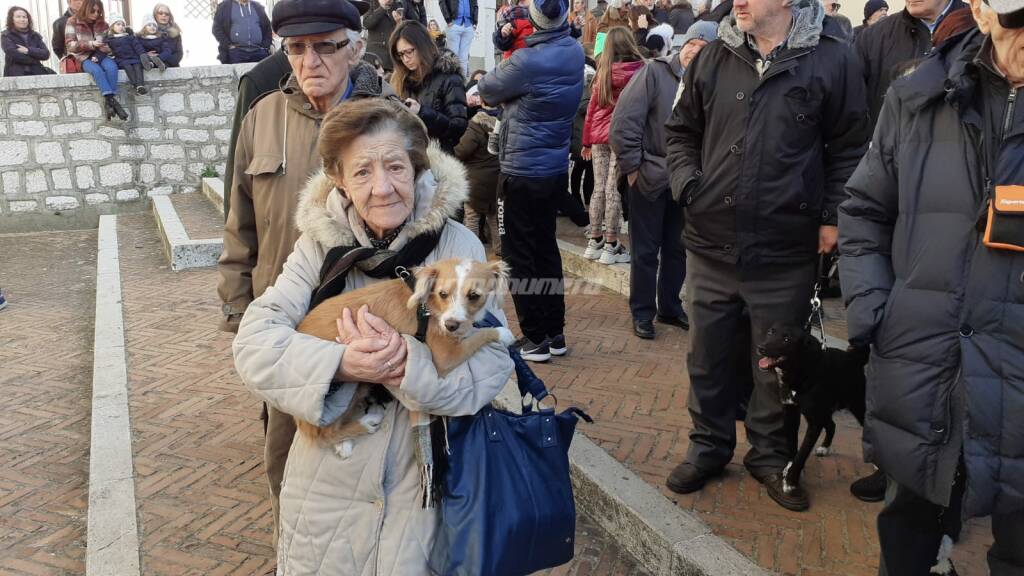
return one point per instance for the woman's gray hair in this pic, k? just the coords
(358, 44)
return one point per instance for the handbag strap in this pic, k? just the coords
(525, 377)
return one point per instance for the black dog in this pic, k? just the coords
(818, 381)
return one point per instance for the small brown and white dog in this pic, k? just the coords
(456, 292)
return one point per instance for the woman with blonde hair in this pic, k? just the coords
(168, 29)
(618, 62)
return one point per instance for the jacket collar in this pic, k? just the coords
(950, 72)
(330, 218)
(446, 63)
(808, 27)
(540, 36)
(672, 61)
(365, 83)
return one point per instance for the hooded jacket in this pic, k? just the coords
(599, 118)
(760, 162)
(125, 48)
(539, 88)
(360, 514)
(442, 98)
(156, 43)
(274, 156)
(482, 167)
(172, 33)
(18, 64)
(944, 313)
(884, 47)
(638, 124)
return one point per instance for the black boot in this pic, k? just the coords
(107, 109)
(116, 107)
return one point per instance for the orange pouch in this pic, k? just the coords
(1005, 227)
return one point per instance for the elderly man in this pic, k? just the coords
(770, 124)
(933, 273)
(637, 137)
(275, 155)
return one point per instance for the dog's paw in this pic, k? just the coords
(822, 451)
(373, 418)
(344, 449)
(505, 336)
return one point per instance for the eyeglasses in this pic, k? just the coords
(324, 47)
(163, 13)
(835, 6)
(403, 54)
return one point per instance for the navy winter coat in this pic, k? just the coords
(125, 49)
(222, 27)
(540, 88)
(159, 44)
(944, 313)
(18, 64)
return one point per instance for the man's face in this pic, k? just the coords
(690, 51)
(926, 9)
(1008, 42)
(74, 5)
(321, 75)
(878, 16)
(753, 14)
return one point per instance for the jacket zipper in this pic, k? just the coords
(382, 502)
(1011, 99)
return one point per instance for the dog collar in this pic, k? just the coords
(422, 312)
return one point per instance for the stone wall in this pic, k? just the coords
(59, 154)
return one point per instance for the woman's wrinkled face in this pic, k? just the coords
(379, 178)
(21, 20)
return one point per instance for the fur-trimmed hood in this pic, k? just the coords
(331, 219)
(446, 63)
(807, 28)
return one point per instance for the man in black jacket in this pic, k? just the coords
(771, 122)
(380, 22)
(242, 30)
(896, 40)
(57, 41)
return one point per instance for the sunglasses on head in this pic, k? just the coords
(323, 47)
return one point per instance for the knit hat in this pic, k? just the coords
(547, 14)
(147, 19)
(115, 18)
(873, 6)
(705, 30)
(659, 39)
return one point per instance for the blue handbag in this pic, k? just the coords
(507, 506)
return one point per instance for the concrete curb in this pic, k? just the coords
(112, 547)
(665, 539)
(181, 251)
(213, 189)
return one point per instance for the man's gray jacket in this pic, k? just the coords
(637, 135)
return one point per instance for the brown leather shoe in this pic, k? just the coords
(686, 478)
(795, 499)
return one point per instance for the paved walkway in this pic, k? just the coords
(46, 336)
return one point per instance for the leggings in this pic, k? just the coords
(605, 203)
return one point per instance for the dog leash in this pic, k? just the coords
(826, 266)
(422, 312)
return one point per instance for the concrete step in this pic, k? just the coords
(213, 189)
(182, 251)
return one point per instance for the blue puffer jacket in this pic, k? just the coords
(540, 88)
(125, 49)
(159, 44)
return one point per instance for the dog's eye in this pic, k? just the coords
(473, 296)
(443, 295)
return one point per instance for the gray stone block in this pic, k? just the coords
(29, 128)
(49, 110)
(173, 172)
(61, 178)
(35, 181)
(145, 114)
(145, 134)
(49, 153)
(201, 102)
(84, 177)
(71, 128)
(22, 205)
(183, 252)
(186, 135)
(90, 150)
(147, 173)
(61, 203)
(21, 108)
(88, 109)
(172, 102)
(117, 174)
(131, 151)
(11, 182)
(13, 153)
(165, 152)
(96, 198)
(126, 195)
(211, 121)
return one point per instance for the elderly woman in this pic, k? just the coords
(362, 512)
(168, 29)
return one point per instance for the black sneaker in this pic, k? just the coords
(556, 344)
(533, 351)
(870, 488)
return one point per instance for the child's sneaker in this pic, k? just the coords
(614, 254)
(141, 90)
(594, 248)
(492, 139)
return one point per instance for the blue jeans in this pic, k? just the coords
(460, 38)
(105, 74)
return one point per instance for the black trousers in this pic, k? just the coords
(657, 266)
(527, 211)
(910, 531)
(134, 73)
(717, 293)
(581, 179)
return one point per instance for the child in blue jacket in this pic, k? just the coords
(157, 46)
(128, 53)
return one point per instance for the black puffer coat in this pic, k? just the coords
(944, 313)
(760, 163)
(884, 47)
(18, 64)
(379, 25)
(442, 98)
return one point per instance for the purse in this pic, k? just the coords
(507, 505)
(70, 65)
(1004, 229)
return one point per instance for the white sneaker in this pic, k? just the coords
(614, 254)
(594, 249)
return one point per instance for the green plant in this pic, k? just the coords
(210, 172)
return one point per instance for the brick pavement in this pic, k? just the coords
(197, 438)
(637, 392)
(200, 219)
(46, 336)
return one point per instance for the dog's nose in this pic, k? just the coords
(451, 325)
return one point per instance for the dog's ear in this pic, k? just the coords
(425, 278)
(499, 270)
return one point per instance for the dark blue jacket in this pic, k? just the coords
(159, 44)
(125, 49)
(944, 313)
(540, 88)
(222, 27)
(18, 64)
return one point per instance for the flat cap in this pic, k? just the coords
(306, 17)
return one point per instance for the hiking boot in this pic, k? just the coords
(681, 321)
(869, 488)
(594, 248)
(556, 345)
(534, 351)
(686, 478)
(614, 254)
(795, 499)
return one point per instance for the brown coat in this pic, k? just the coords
(271, 167)
(611, 18)
(79, 37)
(589, 26)
(482, 167)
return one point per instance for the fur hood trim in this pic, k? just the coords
(331, 219)
(807, 26)
(485, 120)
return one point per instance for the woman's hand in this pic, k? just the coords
(376, 352)
(413, 105)
(22, 50)
(585, 153)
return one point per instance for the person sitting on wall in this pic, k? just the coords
(168, 29)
